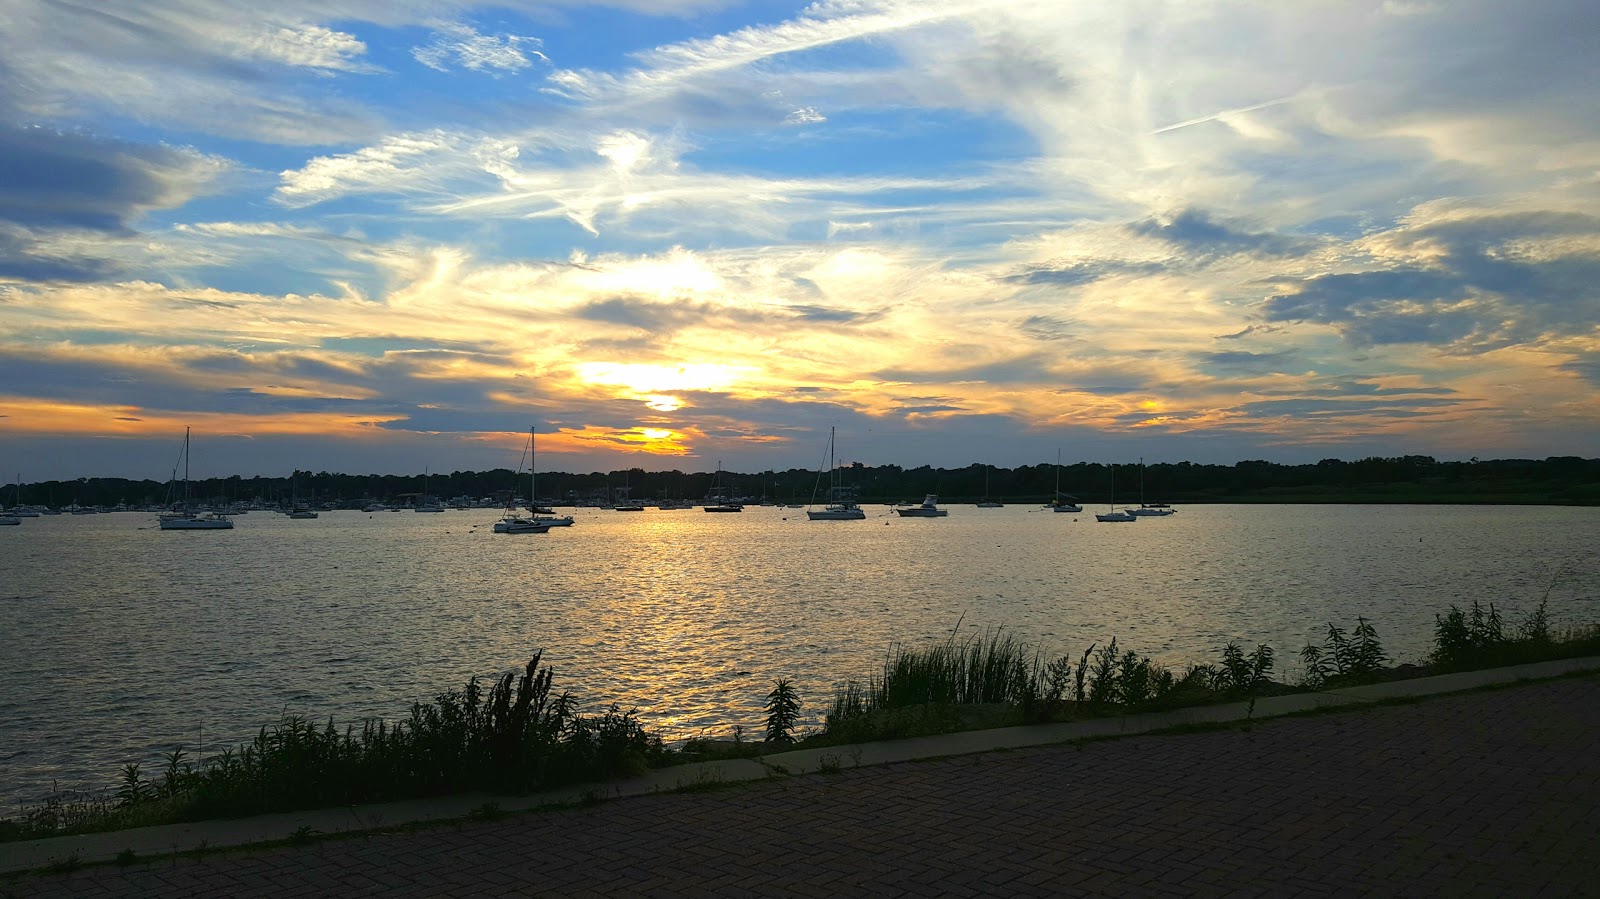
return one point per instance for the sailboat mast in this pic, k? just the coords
(533, 466)
(186, 469)
(1056, 500)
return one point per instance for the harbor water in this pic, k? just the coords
(119, 641)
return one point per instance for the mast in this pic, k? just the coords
(185, 469)
(533, 465)
(1056, 500)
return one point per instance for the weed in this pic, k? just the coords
(302, 835)
(829, 764)
(127, 857)
(489, 811)
(783, 710)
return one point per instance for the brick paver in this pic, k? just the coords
(1492, 794)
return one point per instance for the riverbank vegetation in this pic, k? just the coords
(517, 735)
(1569, 480)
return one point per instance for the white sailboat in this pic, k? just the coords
(842, 508)
(184, 518)
(513, 523)
(1114, 514)
(1062, 502)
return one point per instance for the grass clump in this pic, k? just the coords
(513, 737)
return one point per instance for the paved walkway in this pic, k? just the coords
(1491, 793)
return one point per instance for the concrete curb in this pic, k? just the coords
(155, 842)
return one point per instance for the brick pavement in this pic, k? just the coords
(1493, 793)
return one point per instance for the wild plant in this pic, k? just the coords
(1103, 676)
(783, 711)
(1463, 640)
(1078, 693)
(1535, 626)
(1241, 674)
(135, 789)
(1343, 657)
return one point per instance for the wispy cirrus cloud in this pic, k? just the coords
(459, 44)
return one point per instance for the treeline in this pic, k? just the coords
(1558, 480)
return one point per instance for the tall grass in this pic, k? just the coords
(513, 737)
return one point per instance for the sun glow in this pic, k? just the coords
(652, 380)
(663, 403)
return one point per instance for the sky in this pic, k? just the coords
(378, 236)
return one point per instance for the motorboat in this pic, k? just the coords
(928, 509)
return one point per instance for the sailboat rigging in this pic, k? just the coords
(183, 517)
(842, 508)
(1062, 502)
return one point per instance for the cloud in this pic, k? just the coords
(58, 179)
(462, 45)
(1481, 282)
(1194, 231)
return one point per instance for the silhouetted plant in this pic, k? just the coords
(1103, 676)
(1344, 657)
(783, 712)
(1243, 675)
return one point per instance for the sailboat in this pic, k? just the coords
(298, 510)
(1148, 510)
(512, 523)
(186, 519)
(1114, 514)
(988, 503)
(424, 504)
(1062, 501)
(717, 500)
(549, 519)
(842, 508)
(15, 516)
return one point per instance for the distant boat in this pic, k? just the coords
(718, 500)
(423, 503)
(15, 515)
(1114, 514)
(541, 514)
(512, 523)
(298, 511)
(842, 508)
(1062, 502)
(1148, 510)
(928, 509)
(184, 518)
(988, 503)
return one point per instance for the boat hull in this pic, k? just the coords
(196, 524)
(837, 515)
